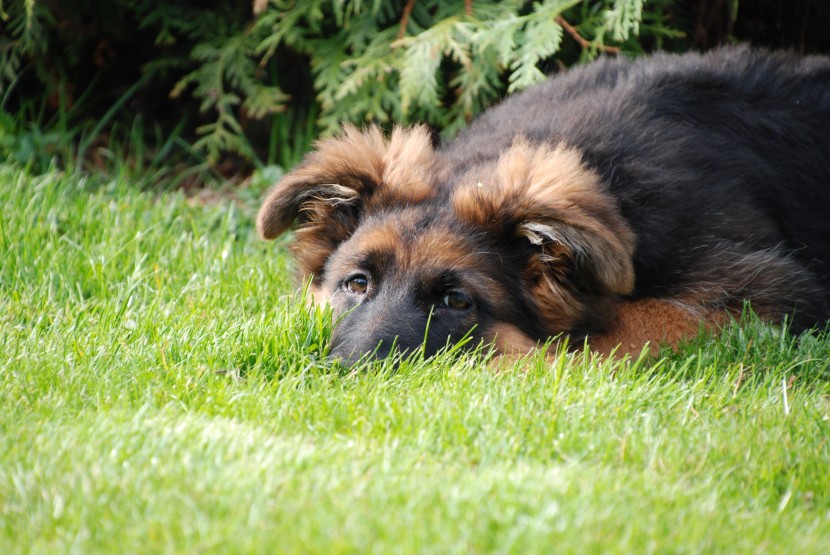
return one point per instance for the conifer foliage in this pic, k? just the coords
(234, 64)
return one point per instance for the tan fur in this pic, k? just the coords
(650, 322)
(408, 164)
(385, 237)
(509, 339)
(439, 248)
(317, 296)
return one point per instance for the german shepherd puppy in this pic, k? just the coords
(624, 201)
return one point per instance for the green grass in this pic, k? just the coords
(162, 390)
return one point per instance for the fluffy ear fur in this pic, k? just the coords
(546, 195)
(339, 181)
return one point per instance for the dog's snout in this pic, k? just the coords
(349, 354)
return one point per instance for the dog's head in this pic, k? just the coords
(513, 251)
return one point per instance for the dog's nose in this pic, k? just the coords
(349, 359)
(350, 354)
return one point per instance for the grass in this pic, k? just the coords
(162, 390)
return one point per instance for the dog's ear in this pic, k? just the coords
(550, 198)
(341, 180)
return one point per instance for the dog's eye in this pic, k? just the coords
(456, 300)
(357, 284)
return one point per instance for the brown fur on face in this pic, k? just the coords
(342, 179)
(393, 247)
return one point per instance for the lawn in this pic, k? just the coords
(164, 390)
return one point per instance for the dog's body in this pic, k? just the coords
(626, 200)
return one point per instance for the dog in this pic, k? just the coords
(625, 202)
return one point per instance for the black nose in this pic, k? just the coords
(350, 354)
(351, 358)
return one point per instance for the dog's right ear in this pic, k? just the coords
(339, 182)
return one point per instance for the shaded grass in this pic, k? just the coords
(163, 389)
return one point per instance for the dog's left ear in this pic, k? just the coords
(547, 196)
(340, 181)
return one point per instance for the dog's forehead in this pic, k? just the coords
(416, 238)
